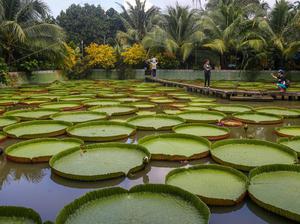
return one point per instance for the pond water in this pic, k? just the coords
(33, 185)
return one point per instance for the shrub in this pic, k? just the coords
(134, 55)
(167, 60)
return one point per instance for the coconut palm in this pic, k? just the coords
(230, 28)
(23, 30)
(177, 33)
(138, 21)
(283, 31)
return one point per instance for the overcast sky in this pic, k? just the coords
(57, 5)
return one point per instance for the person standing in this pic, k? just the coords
(154, 63)
(207, 73)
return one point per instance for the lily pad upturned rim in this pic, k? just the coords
(177, 157)
(132, 110)
(21, 212)
(278, 121)
(76, 106)
(12, 112)
(4, 137)
(42, 135)
(100, 176)
(16, 119)
(214, 201)
(40, 159)
(212, 138)
(287, 139)
(279, 108)
(162, 189)
(101, 139)
(55, 116)
(268, 169)
(247, 141)
(203, 112)
(277, 131)
(155, 115)
(214, 108)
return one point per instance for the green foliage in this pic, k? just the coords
(3, 71)
(29, 66)
(167, 60)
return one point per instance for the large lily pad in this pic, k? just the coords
(101, 131)
(115, 110)
(155, 122)
(202, 116)
(293, 143)
(18, 215)
(100, 102)
(32, 114)
(258, 118)
(210, 132)
(247, 154)
(62, 105)
(39, 150)
(288, 131)
(277, 189)
(37, 129)
(232, 108)
(281, 111)
(100, 161)
(8, 120)
(79, 116)
(143, 204)
(214, 184)
(176, 146)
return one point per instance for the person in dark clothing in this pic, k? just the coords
(282, 82)
(207, 73)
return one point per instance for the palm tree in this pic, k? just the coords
(283, 31)
(137, 20)
(177, 33)
(23, 30)
(231, 28)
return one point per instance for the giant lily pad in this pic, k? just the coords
(8, 102)
(214, 184)
(277, 189)
(100, 102)
(115, 110)
(143, 204)
(79, 116)
(247, 154)
(202, 116)
(210, 132)
(293, 143)
(39, 150)
(285, 112)
(101, 131)
(62, 105)
(32, 114)
(37, 129)
(19, 215)
(8, 120)
(176, 146)
(232, 108)
(258, 118)
(288, 131)
(155, 122)
(100, 161)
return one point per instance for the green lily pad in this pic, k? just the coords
(79, 116)
(36, 129)
(176, 146)
(202, 116)
(100, 161)
(288, 131)
(32, 114)
(143, 204)
(232, 108)
(62, 105)
(19, 215)
(247, 154)
(214, 184)
(39, 150)
(8, 120)
(155, 122)
(115, 110)
(210, 132)
(258, 118)
(293, 143)
(285, 112)
(101, 131)
(277, 189)
(100, 102)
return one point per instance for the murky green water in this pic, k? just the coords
(34, 186)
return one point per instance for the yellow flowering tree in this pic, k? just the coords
(101, 55)
(134, 55)
(71, 57)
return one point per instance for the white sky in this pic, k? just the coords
(57, 5)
